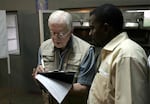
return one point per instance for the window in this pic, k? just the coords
(12, 30)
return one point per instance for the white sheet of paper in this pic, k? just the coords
(12, 45)
(3, 35)
(57, 89)
(146, 22)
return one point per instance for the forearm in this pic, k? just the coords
(79, 90)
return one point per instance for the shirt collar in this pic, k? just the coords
(116, 41)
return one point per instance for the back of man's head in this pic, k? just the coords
(61, 17)
(110, 14)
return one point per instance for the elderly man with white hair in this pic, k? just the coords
(66, 52)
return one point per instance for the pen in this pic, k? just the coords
(42, 62)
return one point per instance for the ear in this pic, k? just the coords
(106, 27)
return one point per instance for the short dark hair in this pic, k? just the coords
(108, 13)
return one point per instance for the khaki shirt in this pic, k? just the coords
(123, 74)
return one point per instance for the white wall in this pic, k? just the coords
(29, 5)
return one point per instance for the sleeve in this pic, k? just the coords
(87, 68)
(131, 81)
(148, 61)
(39, 57)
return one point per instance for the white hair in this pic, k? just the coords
(60, 16)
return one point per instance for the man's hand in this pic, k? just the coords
(39, 68)
(79, 89)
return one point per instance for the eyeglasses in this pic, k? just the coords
(60, 34)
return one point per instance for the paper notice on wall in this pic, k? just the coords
(146, 18)
(3, 35)
(41, 5)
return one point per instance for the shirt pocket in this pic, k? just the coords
(47, 56)
(73, 65)
(100, 89)
(74, 62)
(48, 59)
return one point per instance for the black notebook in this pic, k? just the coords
(60, 75)
(57, 83)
